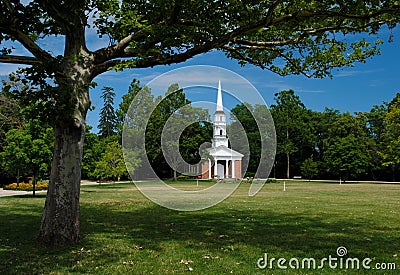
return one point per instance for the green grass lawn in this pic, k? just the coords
(125, 233)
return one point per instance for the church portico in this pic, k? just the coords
(227, 164)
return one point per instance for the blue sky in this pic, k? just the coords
(351, 89)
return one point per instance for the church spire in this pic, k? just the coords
(219, 122)
(220, 107)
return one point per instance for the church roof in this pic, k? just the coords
(223, 151)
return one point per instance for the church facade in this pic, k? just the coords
(223, 162)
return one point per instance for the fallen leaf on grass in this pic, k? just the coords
(209, 256)
(186, 262)
(80, 251)
(226, 249)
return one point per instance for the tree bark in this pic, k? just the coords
(60, 220)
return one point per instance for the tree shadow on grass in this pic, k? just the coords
(152, 226)
(214, 231)
(31, 196)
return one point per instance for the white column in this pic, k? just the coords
(209, 168)
(215, 168)
(233, 168)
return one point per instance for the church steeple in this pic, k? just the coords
(220, 107)
(219, 136)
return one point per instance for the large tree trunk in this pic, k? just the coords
(60, 220)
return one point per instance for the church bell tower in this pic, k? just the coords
(219, 135)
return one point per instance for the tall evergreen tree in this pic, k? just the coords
(108, 119)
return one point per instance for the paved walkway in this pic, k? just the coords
(7, 193)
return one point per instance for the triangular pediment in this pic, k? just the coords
(223, 151)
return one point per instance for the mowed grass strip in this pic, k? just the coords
(125, 233)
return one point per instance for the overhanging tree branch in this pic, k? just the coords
(237, 52)
(334, 14)
(304, 33)
(106, 57)
(156, 60)
(117, 50)
(290, 61)
(28, 43)
(54, 11)
(15, 59)
(271, 10)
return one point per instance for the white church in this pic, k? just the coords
(226, 163)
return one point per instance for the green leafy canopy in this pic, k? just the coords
(300, 36)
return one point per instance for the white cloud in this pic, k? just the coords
(6, 69)
(205, 76)
(277, 86)
(311, 91)
(356, 72)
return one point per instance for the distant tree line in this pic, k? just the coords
(326, 145)
(329, 144)
(26, 145)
